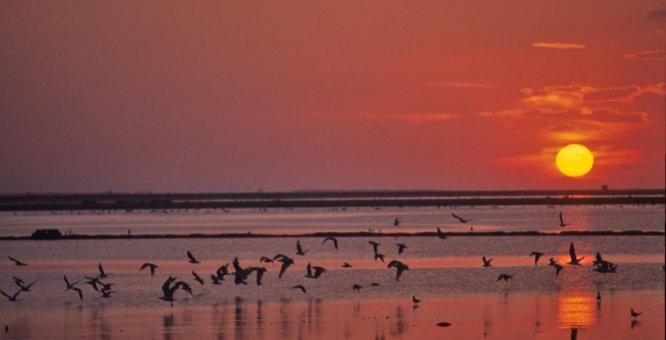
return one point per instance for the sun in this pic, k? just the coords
(574, 160)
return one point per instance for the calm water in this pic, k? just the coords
(541, 218)
(446, 274)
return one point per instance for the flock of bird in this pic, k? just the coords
(242, 274)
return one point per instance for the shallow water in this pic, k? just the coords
(506, 218)
(446, 274)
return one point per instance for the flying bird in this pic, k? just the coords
(300, 287)
(72, 286)
(168, 290)
(537, 255)
(92, 281)
(562, 224)
(260, 273)
(222, 271)
(375, 246)
(299, 249)
(379, 256)
(504, 277)
(440, 234)
(22, 284)
(401, 247)
(396, 222)
(552, 262)
(149, 265)
(332, 239)
(486, 262)
(11, 298)
(558, 269)
(191, 258)
(265, 259)
(17, 262)
(462, 220)
(572, 254)
(314, 272)
(197, 278)
(286, 262)
(401, 267)
(102, 274)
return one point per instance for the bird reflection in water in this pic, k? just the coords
(167, 325)
(635, 323)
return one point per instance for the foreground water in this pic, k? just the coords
(506, 218)
(446, 274)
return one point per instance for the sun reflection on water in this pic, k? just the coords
(576, 311)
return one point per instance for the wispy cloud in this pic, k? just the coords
(660, 54)
(558, 45)
(462, 85)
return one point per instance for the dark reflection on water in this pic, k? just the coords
(504, 315)
(167, 324)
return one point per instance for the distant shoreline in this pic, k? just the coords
(325, 199)
(337, 234)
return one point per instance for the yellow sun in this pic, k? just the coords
(574, 160)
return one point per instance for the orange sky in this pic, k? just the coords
(295, 95)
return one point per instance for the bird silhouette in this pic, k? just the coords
(379, 256)
(374, 284)
(396, 222)
(558, 269)
(505, 277)
(460, 219)
(17, 262)
(537, 255)
(486, 262)
(401, 247)
(168, 290)
(440, 234)
(375, 246)
(149, 265)
(265, 259)
(634, 314)
(299, 249)
(286, 262)
(72, 287)
(598, 296)
(19, 282)
(197, 278)
(401, 267)
(93, 282)
(300, 287)
(562, 224)
(260, 273)
(332, 239)
(102, 274)
(575, 261)
(222, 271)
(552, 262)
(356, 287)
(215, 280)
(11, 298)
(314, 272)
(346, 265)
(191, 258)
(415, 300)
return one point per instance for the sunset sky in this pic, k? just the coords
(292, 95)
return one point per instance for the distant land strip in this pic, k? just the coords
(336, 234)
(323, 199)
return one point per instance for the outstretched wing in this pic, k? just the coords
(572, 253)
